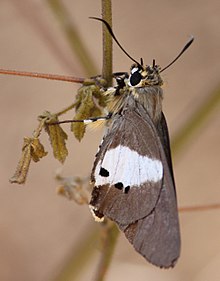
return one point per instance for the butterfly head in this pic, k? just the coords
(143, 76)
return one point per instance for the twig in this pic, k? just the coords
(199, 208)
(109, 237)
(42, 75)
(65, 110)
(107, 43)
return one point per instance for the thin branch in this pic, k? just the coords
(107, 42)
(65, 110)
(199, 208)
(110, 233)
(43, 76)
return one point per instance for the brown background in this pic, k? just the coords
(38, 229)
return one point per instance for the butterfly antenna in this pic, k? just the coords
(180, 54)
(116, 40)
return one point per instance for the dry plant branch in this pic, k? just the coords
(107, 43)
(209, 207)
(109, 236)
(56, 77)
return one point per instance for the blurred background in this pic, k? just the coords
(39, 230)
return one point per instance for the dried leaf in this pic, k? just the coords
(57, 137)
(32, 150)
(74, 188)
(90, 103)
(37, 150)
(101, 98)
(21, 171)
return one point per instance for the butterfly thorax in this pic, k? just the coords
(142, 85)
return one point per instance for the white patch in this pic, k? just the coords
(87, 121)
(134, 70)
(102, 119)
(127, 166)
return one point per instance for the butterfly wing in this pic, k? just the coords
(128, 172)
(157, 236)
(134, 186)
(162, 129)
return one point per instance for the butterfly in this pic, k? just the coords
(132, 173)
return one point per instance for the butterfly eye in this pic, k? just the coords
(135, 78)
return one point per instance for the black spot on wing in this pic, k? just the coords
(103, 172)
(127, 188)
(119, 185)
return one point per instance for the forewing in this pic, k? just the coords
(128, 170)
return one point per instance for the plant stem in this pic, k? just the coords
(65, 110)
(107, 43)
(199, 208)
(110, 234)
(56, 77)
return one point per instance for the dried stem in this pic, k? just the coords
(56, 77)
(65, 110)
(107, 43)
(199, 208)
(109, 237)
(37, 132)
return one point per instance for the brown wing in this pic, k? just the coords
(147, 213)
(131, 131)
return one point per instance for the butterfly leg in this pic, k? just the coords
(85, 121)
